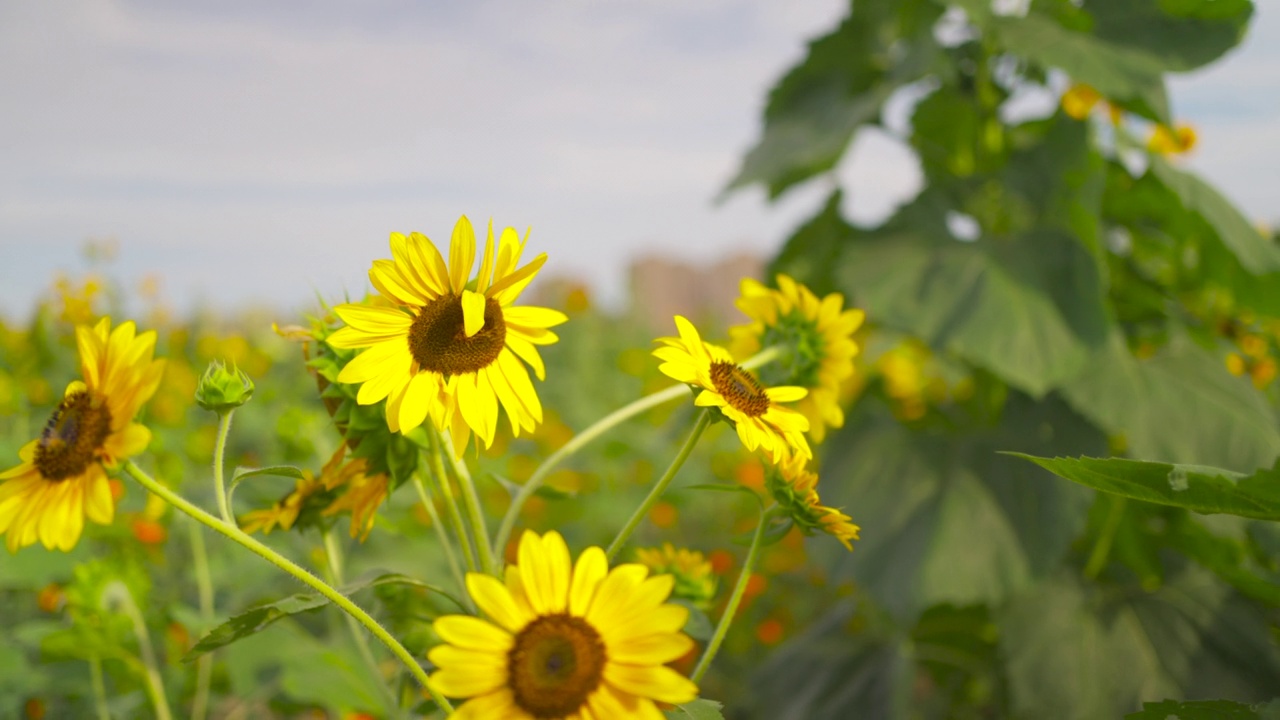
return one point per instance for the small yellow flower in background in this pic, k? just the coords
(451, 348)
(761, 422)
(61, 479)
(1263, 372)
(1172, 141)
(1079, 100)
(818, 335)
(284, 513)
(795, 489)
(564, 640)
(695, 580)
(363, 495)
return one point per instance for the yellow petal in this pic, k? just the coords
(529, 354)
(486, 263)
(90, 355)
(555, 554)
(493, 597)
(535, 574)
(416, 401)
(613, 593)
(471, 632)
(98, 504)
(374, 320)
(786, 393)
(472, 312)
(429, 257)
(373, 361)
(468, 680)
(509, 249)
(509, 288)
(479, 406)
(533, 317)
(651, 649)
(590, 570)
(516, 374)
(653, 681)
(388, 281)
(491, 706)
(462, 254)
(130, 441)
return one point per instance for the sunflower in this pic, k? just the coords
(695, 578)
(362, 497)
(818, 335)
(563, 641)
(796, 490)
(753, 408)
(61, 478)
(450, 348)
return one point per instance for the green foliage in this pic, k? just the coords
(1092, 305)
(1206, 710)
(697, 710)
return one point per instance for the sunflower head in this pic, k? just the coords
(795, 489)
(445, 346)
(61, 478)
(755, 410)
(816, 339)
(564, 639)
(695, 580)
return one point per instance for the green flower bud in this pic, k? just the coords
(222, 389)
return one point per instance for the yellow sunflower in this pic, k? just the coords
(761, 422)
(574, 641)
(451, 348)
(818, 335)
(796, 490)
(61, 478)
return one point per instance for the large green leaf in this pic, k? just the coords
(699, 709)
(1257, 253)
(1030, 310)
(1181, 34)
(1122, 73)
(1179, 405)
(1206, 710)
(1198, 488)
(1078, 651)
(944, 518)
(842, 84)
(812, 253)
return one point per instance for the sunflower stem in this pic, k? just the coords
(333, 559)
(730, 610)
(424, 495)
(219, 450)
(595, 430)
(99, 688)
(655, 494)
(441, 478)
(479, 528)
(204, 585)
(239, 536)
(117, 596)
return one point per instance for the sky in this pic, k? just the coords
(248, 153)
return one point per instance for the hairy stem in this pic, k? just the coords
(455, 568)
(333, 558)
(204, 585)
(730, 610)
(470, 499)
(117, 596)
(704, 419)
(219, 450)
(441, 478)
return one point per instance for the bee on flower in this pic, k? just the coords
(62, 477)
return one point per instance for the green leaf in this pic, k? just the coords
(1121, 73)
(1256, 252)
(842, 84)
(1179, 405)
(1206, 710)
(1030, 310)
(1078, 651)
(957, 523)
(812, 252)
(259, 618)
(1181, 35)
(1198, 488)
(241, 474)
(699, 709)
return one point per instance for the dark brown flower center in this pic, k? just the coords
(72, 438)
(742, 391)
(439, 342)
(556, 663)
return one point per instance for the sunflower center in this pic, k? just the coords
(439, 342)
(72, 437)
(555, 664)
(807, 346)
(742, 391)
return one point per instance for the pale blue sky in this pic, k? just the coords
(250, 152)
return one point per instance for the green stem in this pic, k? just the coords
(204, 585)
(470, 499)
(118, 595)
(333, 558)
(735, 600)
(441, 478)
(99, 688)
(1098, 557)
(424, 496)
(271, 556)
(219, 450)
(595, 430)
(656, 493)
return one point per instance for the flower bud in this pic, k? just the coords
(222, 389)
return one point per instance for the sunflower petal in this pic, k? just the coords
(472, 312)
(462, 254)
